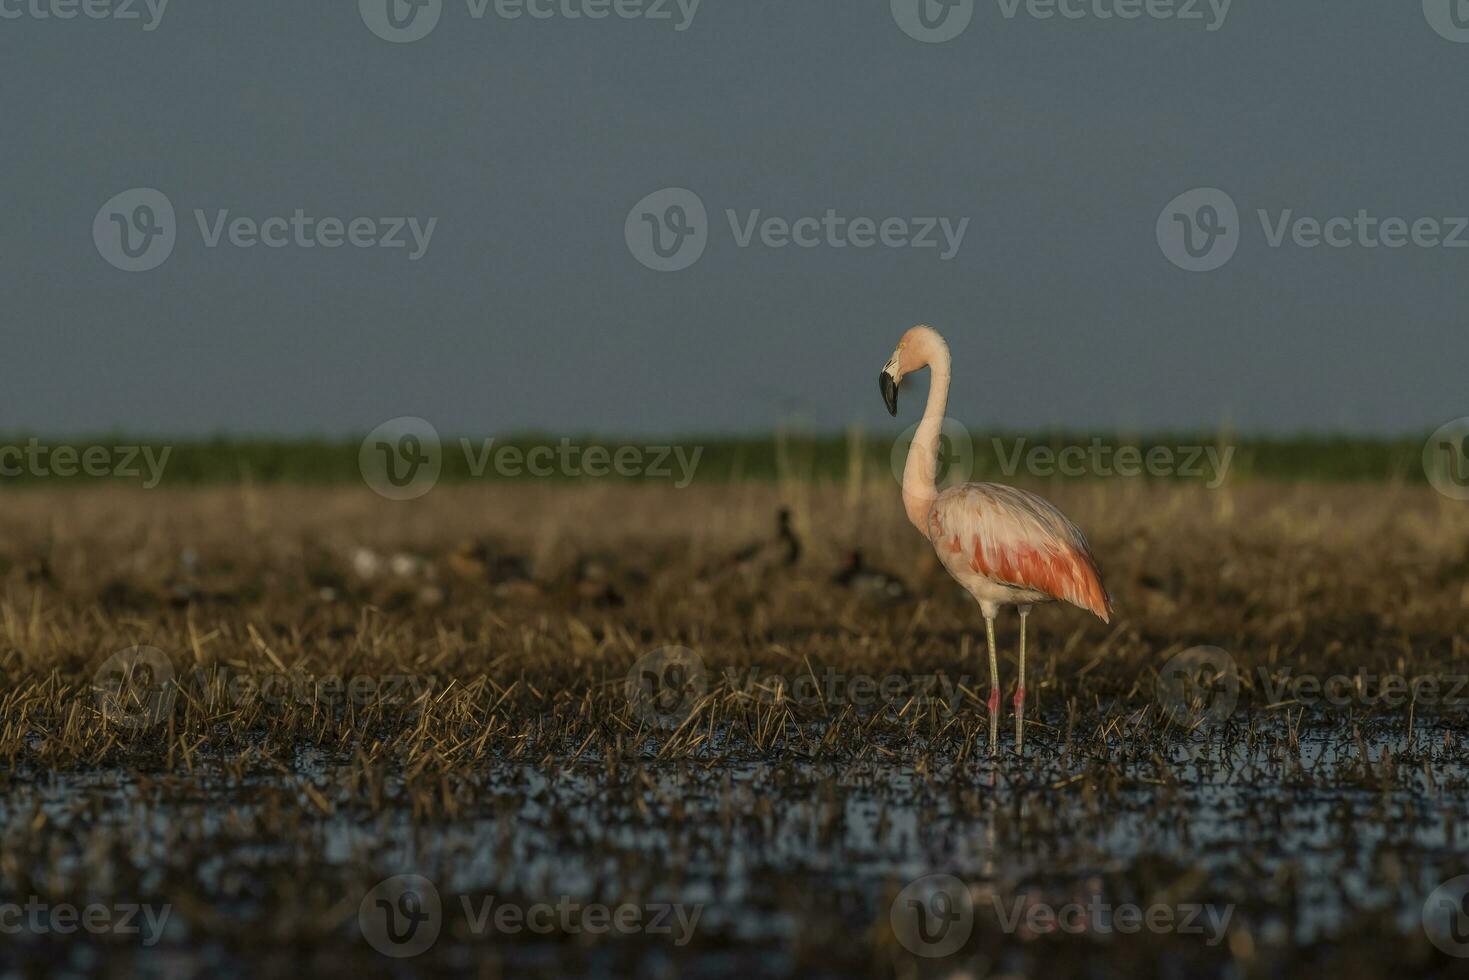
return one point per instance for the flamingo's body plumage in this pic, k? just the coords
(1003, 545)
(1009, 547)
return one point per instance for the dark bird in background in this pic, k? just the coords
(508, 575)
(38, 570)
(1172, 585)
(869, 583)
(594, 579)
(783, 549)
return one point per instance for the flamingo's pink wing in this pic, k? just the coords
(1017, 538)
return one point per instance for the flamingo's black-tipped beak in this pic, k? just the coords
(889, 392)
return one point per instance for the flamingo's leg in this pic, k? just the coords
(989, 632)
(1020, 687)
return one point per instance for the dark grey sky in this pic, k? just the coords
(530, 140)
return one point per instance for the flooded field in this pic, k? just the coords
(496, 732)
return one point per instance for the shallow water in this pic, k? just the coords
(1298, 838)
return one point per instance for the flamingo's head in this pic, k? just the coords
(914, 352)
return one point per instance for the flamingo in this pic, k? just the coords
(1005, 546)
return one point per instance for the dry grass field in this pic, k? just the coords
(469, 688)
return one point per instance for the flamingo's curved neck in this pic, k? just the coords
(918, 473)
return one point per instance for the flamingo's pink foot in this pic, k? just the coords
(994, 702)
